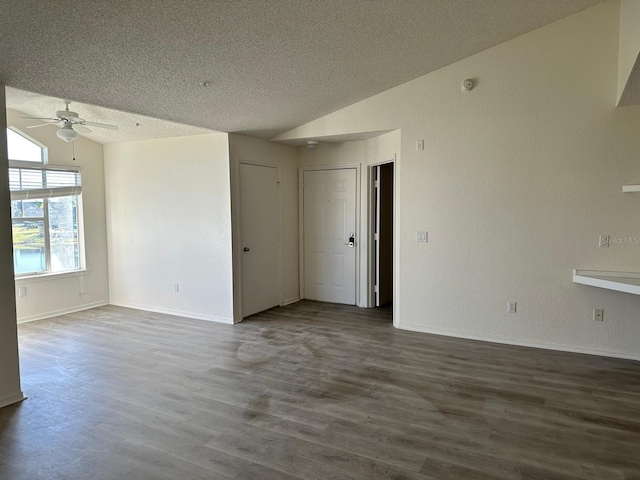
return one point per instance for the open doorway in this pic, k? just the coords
(382, 233)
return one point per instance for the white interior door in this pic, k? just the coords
(260, 231)
(329, 213)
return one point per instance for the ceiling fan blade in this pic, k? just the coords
(81, 128)
(41, 125)
(42, 118)
(99, 125)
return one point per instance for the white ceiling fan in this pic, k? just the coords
(70, 122)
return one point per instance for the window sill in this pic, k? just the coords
(43, 277)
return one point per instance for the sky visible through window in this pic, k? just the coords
(21, 148)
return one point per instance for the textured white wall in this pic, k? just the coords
(629, 41)
(252, 150)
(55, 295)
(517, 180)
(168, 222)
(9, 368)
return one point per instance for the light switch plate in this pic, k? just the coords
(604, 241)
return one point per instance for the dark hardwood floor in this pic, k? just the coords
(309, 391)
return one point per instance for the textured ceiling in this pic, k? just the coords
(271, 64)
(130, 126)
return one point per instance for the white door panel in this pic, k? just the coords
(329, 213)
(259, 212)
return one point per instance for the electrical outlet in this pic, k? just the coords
(511, 307)
(422, 237)
(176, 287)
(22, 291)
(598, 315)
(604, 241)
(419, 145)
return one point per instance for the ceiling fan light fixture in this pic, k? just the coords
(67, 133)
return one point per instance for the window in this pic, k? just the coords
(45, 206)
(23, 148)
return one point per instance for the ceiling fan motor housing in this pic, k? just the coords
(66, 114)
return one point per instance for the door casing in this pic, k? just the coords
(375, 219)
(371, 273)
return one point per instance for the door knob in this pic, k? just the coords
(246, 249)
(352, 240)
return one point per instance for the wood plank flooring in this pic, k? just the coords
(309, 391)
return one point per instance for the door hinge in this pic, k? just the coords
(376, 184)
(376, 236)
(375, 289)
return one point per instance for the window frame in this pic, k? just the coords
(45, 166)
(47, 237)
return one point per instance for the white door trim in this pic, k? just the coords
(239, 162)
(301, 171)
(370, 301)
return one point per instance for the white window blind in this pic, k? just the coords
(44, 181)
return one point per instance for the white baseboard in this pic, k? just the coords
(11, 399)
(64, 311)
(544, 346)
(289, 301)
(170, 311)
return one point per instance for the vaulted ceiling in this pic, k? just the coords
(266, 65)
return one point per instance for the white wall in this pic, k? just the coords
(517, 180)
(252, 150)
(48, 296)
(10, 391)
(168, 222)
(629, 43)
